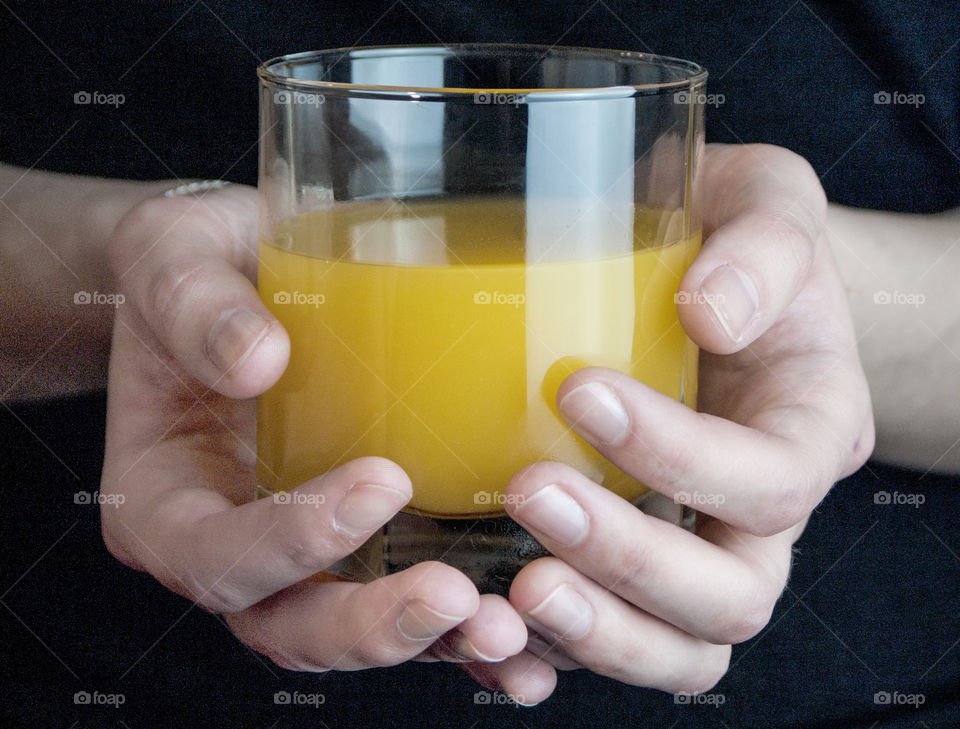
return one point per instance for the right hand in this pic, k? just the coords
(192, 346)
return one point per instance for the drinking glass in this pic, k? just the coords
(449, 231)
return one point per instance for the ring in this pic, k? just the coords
(195, 187)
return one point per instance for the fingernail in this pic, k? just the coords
(554, 513)
(733, 298)
(233, 336)
(565, 612)
(465, 646)
(365, 507)
(595, 411)
(418, 621)
(455, 647)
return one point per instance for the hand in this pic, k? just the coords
(190, 348)
(784, 413)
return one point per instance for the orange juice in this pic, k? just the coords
(436, 334)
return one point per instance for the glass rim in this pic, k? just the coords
(693, 74)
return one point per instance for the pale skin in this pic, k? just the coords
(785, 412)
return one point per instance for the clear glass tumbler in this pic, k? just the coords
(447, 232)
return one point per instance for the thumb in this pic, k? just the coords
(187, 264)
(766, 209)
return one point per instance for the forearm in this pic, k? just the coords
(901, 273)
(53, 234)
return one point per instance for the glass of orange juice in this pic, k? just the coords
(447, 232)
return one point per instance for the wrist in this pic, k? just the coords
(98, 210)
(54, 231)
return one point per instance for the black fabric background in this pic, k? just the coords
(878, 585)
(793, 73)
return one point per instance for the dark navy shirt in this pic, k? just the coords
(866, 634)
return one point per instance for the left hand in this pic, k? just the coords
(191, 349)
(784, 413)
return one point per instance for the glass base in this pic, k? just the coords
(490, 551)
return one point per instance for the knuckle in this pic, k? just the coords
(785, 505)
(772, 155)
(221, 599)
(126, 239)
(634, 566)
(794, 232)
(744, 618)
(804, 199)
(861, 449)
(170, 288)
(116, 548)
(673, 462)
(774, 520)
(306, 540)
(710, 668)
(213, 594)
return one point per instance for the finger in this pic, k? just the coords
(524, 678)
(760, 480)
(229, 557)
(492, 635)
(765, 209)
(717, 594)
(548, 652)
(602, 632)
(187, 264)
(347, 626)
